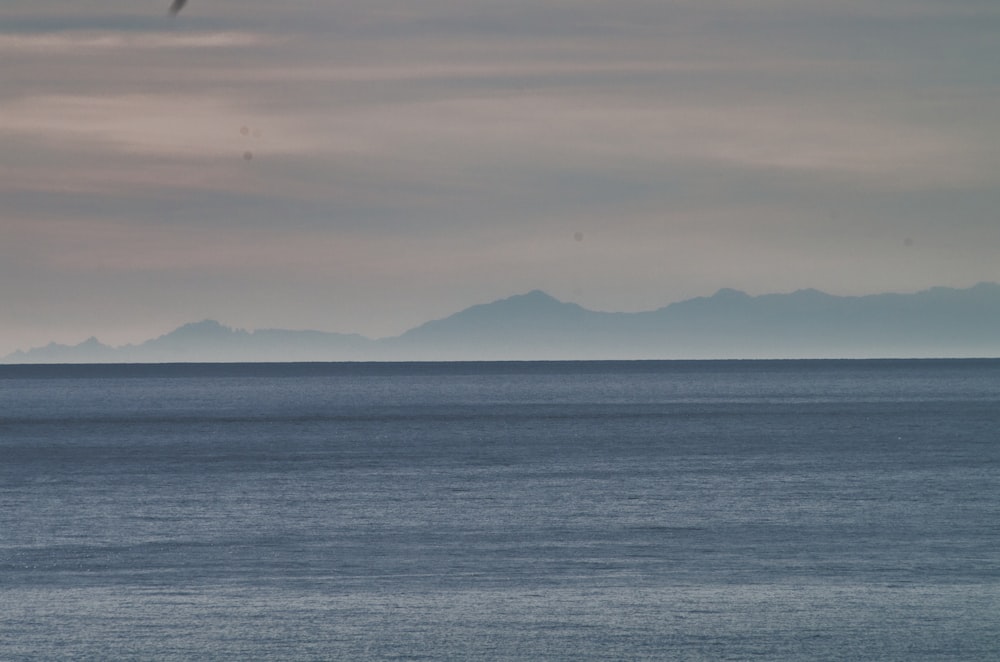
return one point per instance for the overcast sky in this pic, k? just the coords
(367, 166)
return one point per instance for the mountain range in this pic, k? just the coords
(938, 322)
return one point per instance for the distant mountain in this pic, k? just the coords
(209, 341)
(936, 322)
(729, 324)
(89, 351)
(535, 326)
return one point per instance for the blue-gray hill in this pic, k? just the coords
(938, 322)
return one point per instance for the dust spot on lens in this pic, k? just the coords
(245, 130)
(578, 236)
(247, 156)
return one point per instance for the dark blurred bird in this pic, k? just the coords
(177, 6)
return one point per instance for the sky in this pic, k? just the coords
(368, 166)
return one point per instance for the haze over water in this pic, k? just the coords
(772, 510)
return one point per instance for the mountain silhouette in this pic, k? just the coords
(532, 325)
(939, 322)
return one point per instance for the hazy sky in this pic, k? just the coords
(366, 166)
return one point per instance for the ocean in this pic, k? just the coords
(703, 510)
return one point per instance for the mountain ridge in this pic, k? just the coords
(805, 323)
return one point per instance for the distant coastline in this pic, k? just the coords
(935, 323)
(307, 369)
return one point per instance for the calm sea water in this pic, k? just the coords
(789, 510)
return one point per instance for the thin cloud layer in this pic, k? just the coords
(365, 167)
(77, 43)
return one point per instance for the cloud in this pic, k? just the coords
(80, 43)
(163, 124)
(411, 158)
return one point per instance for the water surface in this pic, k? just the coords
(773, 510)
